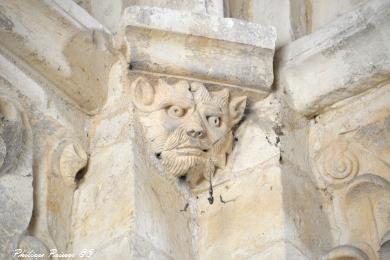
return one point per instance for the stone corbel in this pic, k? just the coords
(188, 128)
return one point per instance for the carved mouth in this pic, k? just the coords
(190, 151)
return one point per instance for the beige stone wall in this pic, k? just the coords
(168, 130)
(324, 12)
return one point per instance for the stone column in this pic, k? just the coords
(176, 61)
(183, 58)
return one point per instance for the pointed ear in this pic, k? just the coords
(223, 95)
(236, 109)
(142, 93)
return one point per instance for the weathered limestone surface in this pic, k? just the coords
(146, 220)
(91, 125)
(199, 46)
(189, 129)
(238, 228)
(350, 159)
(42, 179)
(48, 55)
(108, 13)
(324, 11)
(16, 197)
(28, 135)
(289, 17)
(343, 59)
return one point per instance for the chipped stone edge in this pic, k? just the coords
(308, 48)
(213, 27)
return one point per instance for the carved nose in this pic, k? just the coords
(196, 133)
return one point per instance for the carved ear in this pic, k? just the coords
(142, 93)
(236, 109)
(223, 95)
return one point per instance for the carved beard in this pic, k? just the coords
(194, 167)
(178, 164)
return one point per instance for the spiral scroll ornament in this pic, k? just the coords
(337, 164)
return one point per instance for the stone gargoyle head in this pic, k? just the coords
(189, 129)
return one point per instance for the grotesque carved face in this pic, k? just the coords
(189, 128)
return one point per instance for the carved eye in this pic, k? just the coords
(214, 121)
(176, 111)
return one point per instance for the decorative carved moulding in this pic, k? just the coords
(188, 128)
(343, 59)
(60, 44)
(200, 46)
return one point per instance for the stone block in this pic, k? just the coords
(255, 139)
(108, 13)
(325, 11)
(199, 46)
(344, 58)
(246, 216)
(107, 187)
(289, 17)
(163, 223)
(58, 43)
